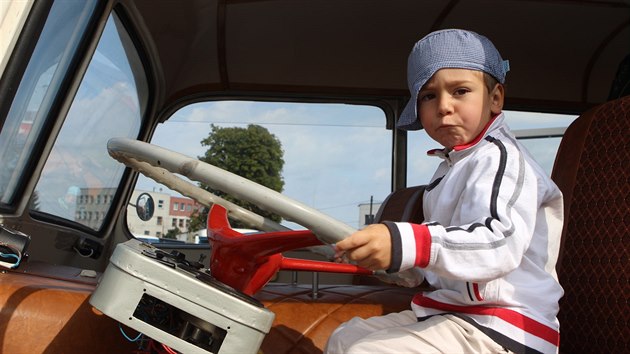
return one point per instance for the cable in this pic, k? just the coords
(126, 336)
(15, 254)
(281, 123)
(168, 349)
(84, 255)
(9, 255)
(162, 348)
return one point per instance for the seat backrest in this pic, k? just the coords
(404, 204)
(592, 170)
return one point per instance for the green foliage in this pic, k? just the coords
(198, 219)
(172, 233)
(253, 153)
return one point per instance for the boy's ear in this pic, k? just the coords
(497, 97)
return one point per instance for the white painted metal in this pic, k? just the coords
(132, 274)
(13, 14)
(326, 228)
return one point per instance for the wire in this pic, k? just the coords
(161, 348)
(84, 255)
(280, 123)
(126, 336)
(16, 254)
(9, 255)
(168, 349)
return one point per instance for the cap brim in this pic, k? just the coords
(408, 118)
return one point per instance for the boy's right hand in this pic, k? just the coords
(370, 248)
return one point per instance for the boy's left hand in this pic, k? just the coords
(370, 248)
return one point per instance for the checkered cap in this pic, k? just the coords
(450, 48)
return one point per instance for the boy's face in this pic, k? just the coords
(454, 105)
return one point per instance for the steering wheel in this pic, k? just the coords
(326, 228)
(245, 263)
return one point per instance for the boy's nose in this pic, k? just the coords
(445, 106)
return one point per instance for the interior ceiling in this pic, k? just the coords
(563, 53)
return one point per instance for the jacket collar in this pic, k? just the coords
(492, 125)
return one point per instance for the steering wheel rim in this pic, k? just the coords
(204, 197)
(326, 228)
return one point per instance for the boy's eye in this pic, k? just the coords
(461, 91)
(425, 97)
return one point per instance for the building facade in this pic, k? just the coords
(91, 205)
(171, 214)
(367, 211)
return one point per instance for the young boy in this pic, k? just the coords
(493, 221)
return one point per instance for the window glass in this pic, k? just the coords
(526, 126)
(110, 103)
(421, 167)
(44, 75)
(336, 156)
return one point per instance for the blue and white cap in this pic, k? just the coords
(450, 48)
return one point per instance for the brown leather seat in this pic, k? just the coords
(45, 309)
(303, 324)
(404, 204)
(592, 171)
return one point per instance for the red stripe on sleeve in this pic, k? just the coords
(422, 237)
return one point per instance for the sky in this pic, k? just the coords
(336, 156)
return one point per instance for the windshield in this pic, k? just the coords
(79, 179)
(336, 159)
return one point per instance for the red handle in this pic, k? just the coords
(319, 266)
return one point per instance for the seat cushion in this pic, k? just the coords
(304, 323)
(51, 314)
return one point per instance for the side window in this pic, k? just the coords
(336, 156)
(45, 73)
(110, 102)
(420, 167)
(540, 133)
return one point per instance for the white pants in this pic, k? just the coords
(401, 333)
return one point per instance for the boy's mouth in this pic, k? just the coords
(447, 126)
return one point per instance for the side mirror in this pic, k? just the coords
(145, 207)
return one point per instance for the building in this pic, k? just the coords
(367, 211)
(91, 205)
(170, 213)
(180, 211)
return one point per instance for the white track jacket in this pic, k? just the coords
(490, 242)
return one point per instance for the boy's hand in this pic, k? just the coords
(370, 248)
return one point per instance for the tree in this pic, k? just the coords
(253, 153)
(172, 233)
